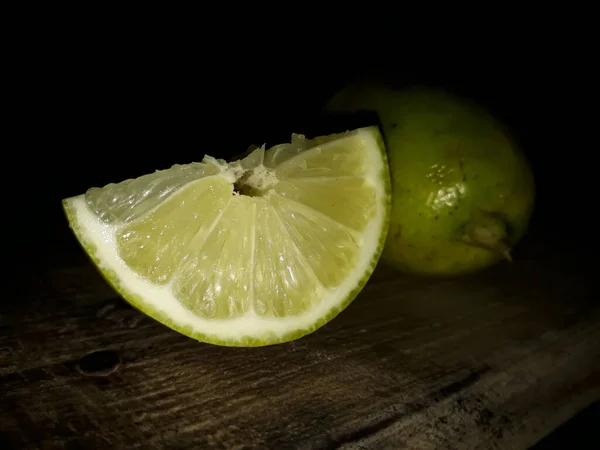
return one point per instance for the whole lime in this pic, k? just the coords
(463, 192)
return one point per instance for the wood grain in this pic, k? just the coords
(493, 361)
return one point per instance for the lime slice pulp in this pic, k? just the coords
(254, 252)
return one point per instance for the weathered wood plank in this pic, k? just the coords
(490, 361)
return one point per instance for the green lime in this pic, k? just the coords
(462, 191)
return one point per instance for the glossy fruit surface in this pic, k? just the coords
(462, 191)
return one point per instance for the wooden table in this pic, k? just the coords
(492, 361)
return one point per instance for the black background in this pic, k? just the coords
(95, 107)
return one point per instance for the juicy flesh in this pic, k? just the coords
(224, 255)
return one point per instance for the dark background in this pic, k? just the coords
(99, 109)
(93, 108)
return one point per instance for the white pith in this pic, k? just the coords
(102, 237)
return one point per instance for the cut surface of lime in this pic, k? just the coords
(254, 252)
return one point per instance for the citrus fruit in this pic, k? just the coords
(253, 252)
(463, 192)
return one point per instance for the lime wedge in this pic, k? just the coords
(254, 252)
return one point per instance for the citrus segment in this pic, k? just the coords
(155, 245)
(351, 201)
